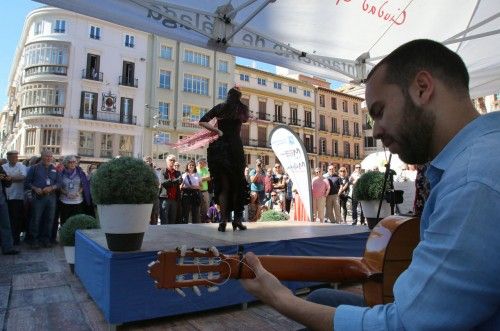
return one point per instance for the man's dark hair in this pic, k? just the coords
(422, 54)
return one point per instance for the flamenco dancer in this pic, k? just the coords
(225, 156)
(226, 159)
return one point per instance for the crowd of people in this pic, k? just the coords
(38, 195)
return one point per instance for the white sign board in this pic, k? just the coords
(293, 157)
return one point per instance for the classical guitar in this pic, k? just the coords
(388, 253)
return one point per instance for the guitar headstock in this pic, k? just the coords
(190, 268)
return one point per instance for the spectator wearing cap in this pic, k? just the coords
(15, 195)
(44, 180)
(205, 178)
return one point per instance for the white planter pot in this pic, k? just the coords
(69, 254)
(124, 218)
(370, 208)
(124, 225)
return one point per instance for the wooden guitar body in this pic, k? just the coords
(388, 252)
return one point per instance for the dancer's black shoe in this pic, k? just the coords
(222, 227)
(238, 225)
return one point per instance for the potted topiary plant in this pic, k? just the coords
(124, 190)
(368, 191)
(67, 235)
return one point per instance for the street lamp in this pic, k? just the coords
(156, 126)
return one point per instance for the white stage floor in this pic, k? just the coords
(163, 237)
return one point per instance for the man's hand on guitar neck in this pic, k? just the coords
(264, 286)
(267, 288)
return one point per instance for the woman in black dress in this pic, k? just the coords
(226, 159)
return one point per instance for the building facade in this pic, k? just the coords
(187, 81)
(340, 129)
(75, 87)
(328, 122)
(83, 86)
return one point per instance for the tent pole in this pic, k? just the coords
(248, 19)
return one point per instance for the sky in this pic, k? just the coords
(11, 26)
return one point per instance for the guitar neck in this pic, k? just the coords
(305, 268)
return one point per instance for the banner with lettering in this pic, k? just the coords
(293, 157)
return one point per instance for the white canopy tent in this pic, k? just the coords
(336, 39)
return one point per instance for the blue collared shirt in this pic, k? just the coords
(453, 282)
(41, 176)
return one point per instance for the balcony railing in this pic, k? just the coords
(164, 122)
(295, 121)
(42, 111)
(310, 149)
(187, 123)
(82, 151)
(346, 133)
(279, 119)
(111, 117)
(255, 143)
(92, 75)
(308, 124)
(261, 116)
(128, 81)
(335, 131)
(323, 128)
(46, 69)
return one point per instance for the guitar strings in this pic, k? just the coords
(218, 260)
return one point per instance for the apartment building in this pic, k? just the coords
(340, 129)
(187, 81)
(79, 85)
(275, 100)
(75, 88)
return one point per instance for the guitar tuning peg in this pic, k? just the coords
(182, 250)
(198, 250)
(197, 290)
(214, 250)
(213, 289)
(180, 292)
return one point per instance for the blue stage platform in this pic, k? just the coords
(121, 287)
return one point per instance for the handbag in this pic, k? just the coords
(194, 194)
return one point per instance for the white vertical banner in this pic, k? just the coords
(293, 157)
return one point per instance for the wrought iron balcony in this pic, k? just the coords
(46, 69)
(110, 117)
(92, 75)
(295, 121)
(42, 111)
(308, 124)
(128, 81)
(256, 143)
(86, 151)
(279, 119)
(261, 116)
(310, 149)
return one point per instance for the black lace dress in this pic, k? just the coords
(226, 159)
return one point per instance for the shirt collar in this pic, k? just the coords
(478, 127)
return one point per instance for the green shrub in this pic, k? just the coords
(124, 180)
(273, 215)
(76, 222)
(369, 186)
